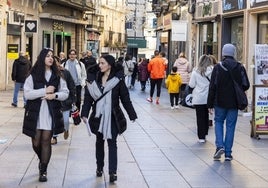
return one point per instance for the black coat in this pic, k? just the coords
(221, 89)
(67, 104)
(20, 69)
(119, 93)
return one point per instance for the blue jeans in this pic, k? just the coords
(17, 88)
(66, 115)
(230, 115)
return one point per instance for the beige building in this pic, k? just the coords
(84, 25)
(113, 37)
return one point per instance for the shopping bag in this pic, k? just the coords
(75, 115)
(187, 99)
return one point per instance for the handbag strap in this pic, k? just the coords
(101, 96)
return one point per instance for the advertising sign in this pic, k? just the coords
(261, 64)
(261, 108)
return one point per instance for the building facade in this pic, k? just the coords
(210, 25)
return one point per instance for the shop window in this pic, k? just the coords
(237, 36)
(263, 29)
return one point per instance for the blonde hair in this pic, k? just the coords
(213, 59)
(182, 54)
(204, 62)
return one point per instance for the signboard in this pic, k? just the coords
(12, 51)
(255, 3)
(261, 64)
(261, 108)
(30, 26)
(179, 30)
(230, 5)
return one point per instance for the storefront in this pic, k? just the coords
(233, 26)
(61, 33)
(206, 30)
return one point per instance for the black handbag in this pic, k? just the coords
(94, 122)
(120, 119)
(240, 95)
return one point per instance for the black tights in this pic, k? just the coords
(42, 146)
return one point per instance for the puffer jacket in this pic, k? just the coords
(201, 86)
(157, 67)
(184, 68)
(173, 83)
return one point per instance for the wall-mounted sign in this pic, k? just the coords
(230, 5)
(255, 3)
(12, 51)
(179, 30)
(59, 26)
(30, 26)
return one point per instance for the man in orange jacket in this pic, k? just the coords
(156, 68)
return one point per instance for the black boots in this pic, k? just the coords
(42, 172)
(113, 177)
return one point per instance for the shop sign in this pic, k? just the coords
(12, 51)
(261, 64)
(179, 30)
(230, 5)
(59, 26)
(30, 26)
(167, 22)
(255, 3)
(261, 108)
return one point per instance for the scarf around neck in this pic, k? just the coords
(104, 105)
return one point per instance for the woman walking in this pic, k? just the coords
(200, 80)
(107, 120)
(44, 88)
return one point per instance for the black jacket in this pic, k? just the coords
(67, 104)
(20, 69)
(120, 91)
(221, 89)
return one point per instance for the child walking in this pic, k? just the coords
(173, 84)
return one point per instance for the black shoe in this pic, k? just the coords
(218, 153)
(113, 177)
(14, 105)
(99, 173)
(43, 177)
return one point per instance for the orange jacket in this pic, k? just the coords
(157, 67)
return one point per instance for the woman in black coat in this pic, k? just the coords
(103, 91)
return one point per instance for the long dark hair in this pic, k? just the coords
(39, 67)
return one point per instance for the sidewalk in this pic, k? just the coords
(159, 150)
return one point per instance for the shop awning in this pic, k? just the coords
(136, 43)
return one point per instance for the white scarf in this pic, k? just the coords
(104, 105)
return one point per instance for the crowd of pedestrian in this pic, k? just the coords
(54, 85)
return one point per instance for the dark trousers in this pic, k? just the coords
(173, 96)
(112, 150)
(182, 91)
(143, 85)
(78, 96)
(158, 83)
(202, 120)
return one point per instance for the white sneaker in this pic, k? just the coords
(201, 140)
(172, 107)
(177, 106)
